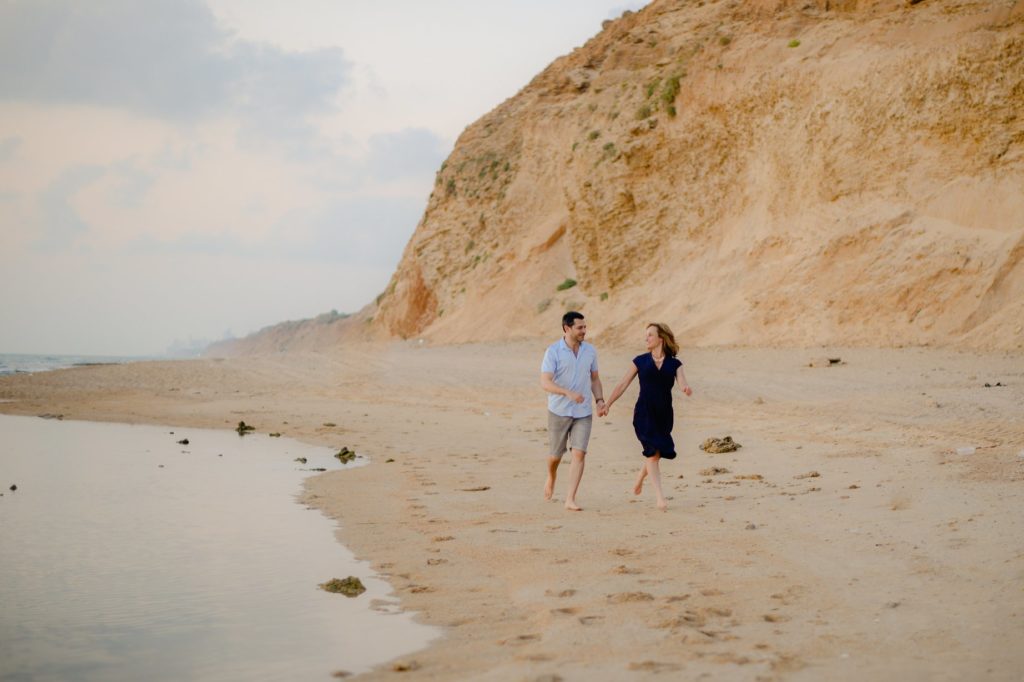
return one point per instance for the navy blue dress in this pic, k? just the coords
(652, 416)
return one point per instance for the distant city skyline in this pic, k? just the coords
(172, 169)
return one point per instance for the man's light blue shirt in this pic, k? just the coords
(571, 371)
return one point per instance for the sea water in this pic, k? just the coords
(125, 555)
(15, 363)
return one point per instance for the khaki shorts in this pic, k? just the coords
(575, 431)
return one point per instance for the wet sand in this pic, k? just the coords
(900, 558)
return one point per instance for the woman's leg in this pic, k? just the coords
(639, 486)
(654, 471)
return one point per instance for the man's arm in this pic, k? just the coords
(598, 391)
(547, 382)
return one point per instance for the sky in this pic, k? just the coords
(178, 171)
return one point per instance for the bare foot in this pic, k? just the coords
(639, 487)
(662, 505)
(549, 488)
(572, 506)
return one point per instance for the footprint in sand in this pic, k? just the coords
(563, 593)
(654, 667)
(775, 618)
(436, 562)
(625, 570)
(590, 620)
(520, 640)
(567, 611)
(622, 552)
(628, 597)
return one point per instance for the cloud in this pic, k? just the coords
(61, 222)
(631, 6)
(365, 231)
(8, 148)
(406, 153)
(163, 58)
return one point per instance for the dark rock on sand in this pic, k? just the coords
(346, 455)
(350, 586)
(244, 428)
(719, 445)
(183, 441)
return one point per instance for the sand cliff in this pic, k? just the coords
(756, 173)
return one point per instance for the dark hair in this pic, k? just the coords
(569, 319)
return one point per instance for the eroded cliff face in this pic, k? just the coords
(748, 172)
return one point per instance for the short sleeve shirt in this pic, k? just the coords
(570, 371)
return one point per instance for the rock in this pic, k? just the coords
(244, 428)
(389, 460)
(13, 487)
(579, 79)
(719, 445)
(346, 455)
(405, 666)
(350, 586)
(183, 441)
(300, 460)
(275, 435)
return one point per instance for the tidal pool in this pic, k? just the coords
(125, 555)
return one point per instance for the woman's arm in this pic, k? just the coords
(621, 388)
(681, 381)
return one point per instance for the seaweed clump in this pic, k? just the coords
(350, 586)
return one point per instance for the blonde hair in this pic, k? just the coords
(666, 335)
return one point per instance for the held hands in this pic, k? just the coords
(602, 409)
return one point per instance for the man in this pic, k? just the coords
(569, 374)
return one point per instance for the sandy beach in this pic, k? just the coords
(847, 539)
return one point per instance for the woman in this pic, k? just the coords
(658, 369)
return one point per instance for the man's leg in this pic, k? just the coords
(575, 474)
(549, 486)
(558, 435)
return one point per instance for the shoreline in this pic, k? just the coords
(457, 526)
(217, 506)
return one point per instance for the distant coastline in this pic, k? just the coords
(21, 363)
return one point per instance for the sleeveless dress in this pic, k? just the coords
(652, 416)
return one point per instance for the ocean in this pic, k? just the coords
(17, 363)
(169, 553)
